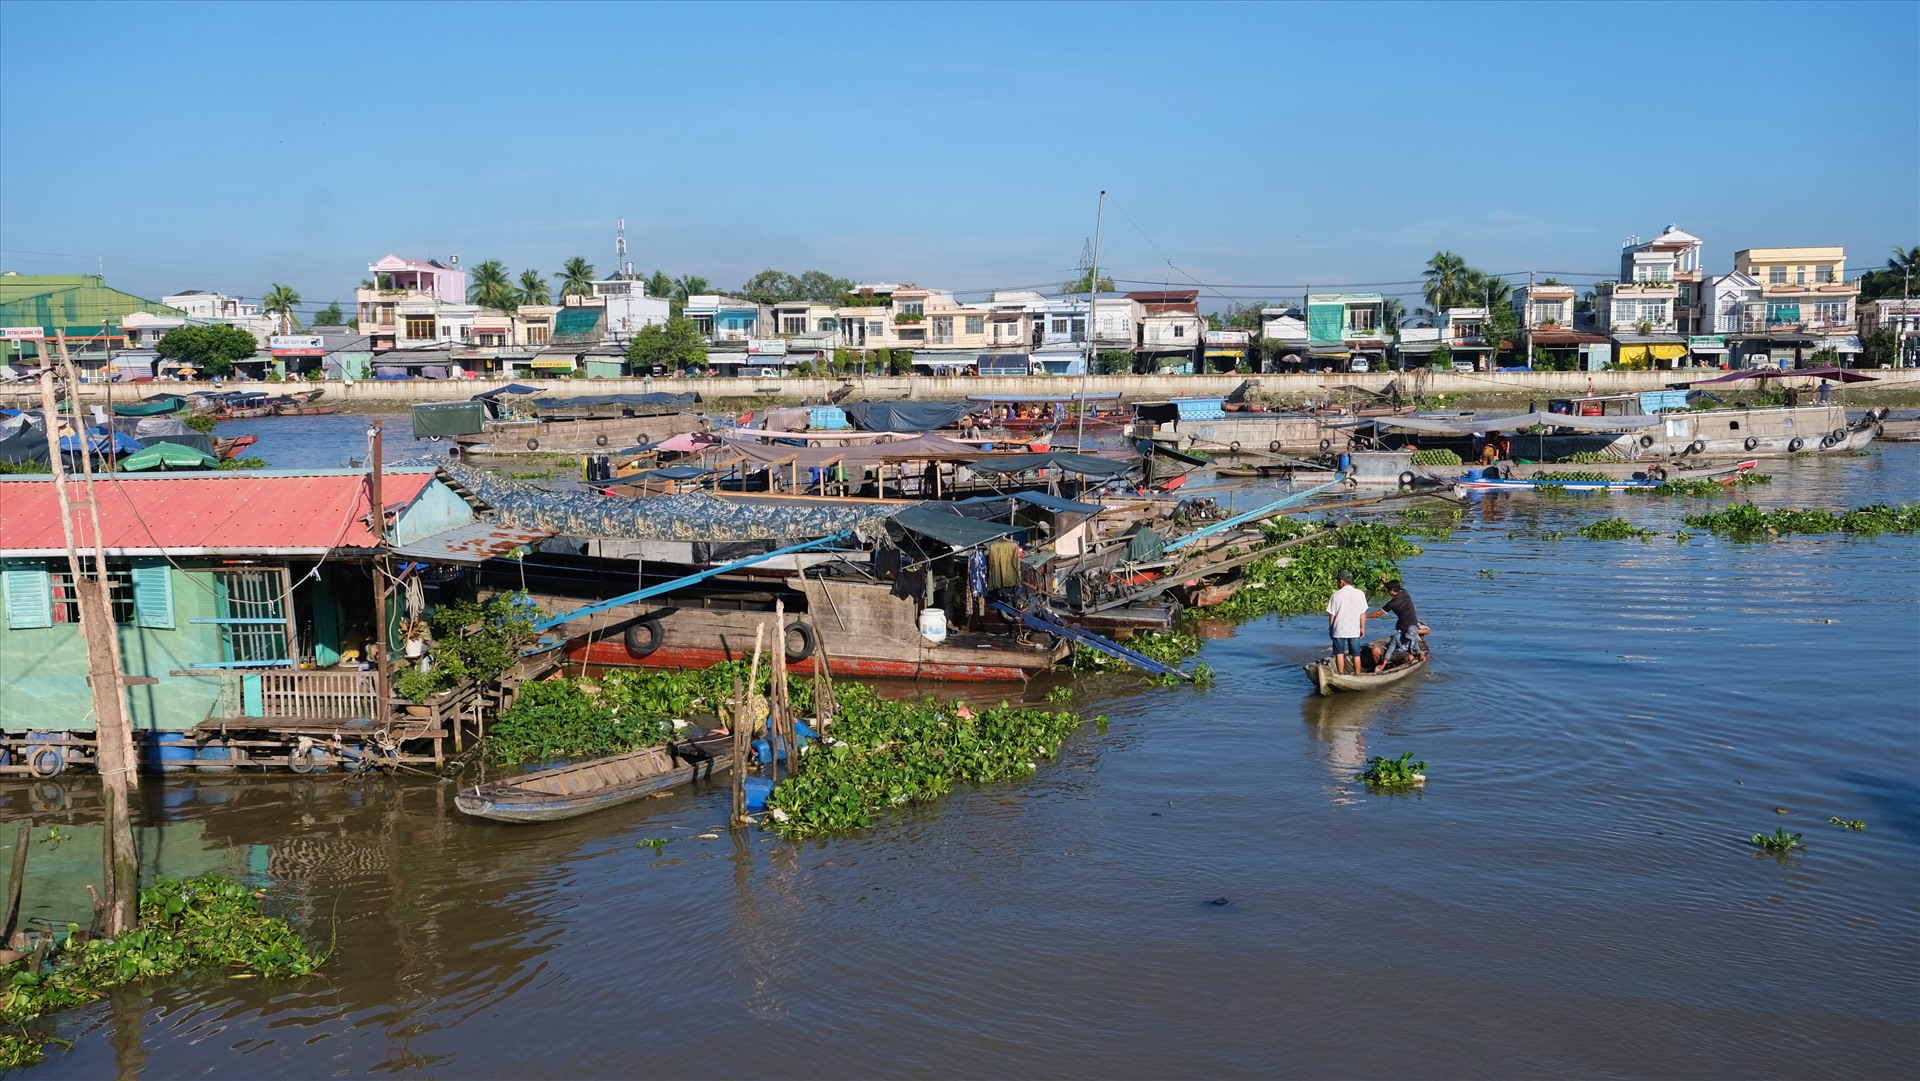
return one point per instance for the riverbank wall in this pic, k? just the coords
(1890, 384)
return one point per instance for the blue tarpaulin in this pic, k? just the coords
(905, 416)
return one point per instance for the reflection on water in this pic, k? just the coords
(1605, 722)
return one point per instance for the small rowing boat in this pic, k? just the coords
(552, 794)
(1327, 681)
(1547, 479)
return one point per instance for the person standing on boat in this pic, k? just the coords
(1347, 624)
(1406, 627)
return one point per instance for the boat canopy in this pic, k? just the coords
(946, 524)
(1054, 503)
(1469, 425)
(917, 447)
(590, 401)
(904, 416)
(1064, 460)
(167, 456)
(511, 390)
(1096, 396)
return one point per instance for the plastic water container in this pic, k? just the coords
(214, 757)
(1346, 463)
(166, 751)
(933, 625)
(758, 789)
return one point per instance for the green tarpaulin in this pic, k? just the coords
(152, 407)
(448, 418)
(1326, 322)
(167, 456)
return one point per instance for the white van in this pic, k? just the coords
(1359, 364)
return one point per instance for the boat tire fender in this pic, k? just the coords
(533, 444)
(46, 761)
(1839, 435)
(644, 637)
(1273, 446)
(1234, 446)
(1795, 444)
(1752, 442)
(1326, 444)
(600, 440)
(303, 760)
(1697, 446)
(807, 643)
(1407, 478)
(1646, 441)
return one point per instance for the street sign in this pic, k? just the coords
(23, 334)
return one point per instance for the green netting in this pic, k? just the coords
(1326, 322)
(576, 323)
(448, 418)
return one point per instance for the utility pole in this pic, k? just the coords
(1093, 310)
(377, 520)
(113, 735)
(1526, 323)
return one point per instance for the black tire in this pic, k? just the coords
(1234, 446)
(1273, 447)
(1646, 441)
(600, 440)
(433, 439)
(807, 642)
(1696, 446)
(1407, 479)
(304, 761)
(1795, 444)
(533, 444)
(644, 637)
(1839, 435)
(1752, 442)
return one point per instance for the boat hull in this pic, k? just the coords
(592, 435)
(550, 795)
(1327, 681)
(936, 666)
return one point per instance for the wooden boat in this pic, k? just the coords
(1327, 681)
(225, 449)
(552, 794)
(1539, 480)
(307, 409)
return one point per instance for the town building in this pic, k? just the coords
(206, 306)
(92, 313)
(1902, 316)
(415, 290)
(1343, 327)
(1283, 338)
(1167, 331)
(1805, 303)
(1551, 337)
(1673, 256)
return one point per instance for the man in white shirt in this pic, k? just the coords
(1347, 624)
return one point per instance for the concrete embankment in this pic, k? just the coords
(1892, 385)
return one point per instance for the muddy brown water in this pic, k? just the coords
(1607, 723)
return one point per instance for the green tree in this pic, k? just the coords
(1902, 274)
(329, 316)
(675, 344)
(1112, 362)
(533, 288)
(771, 286)
(1080, 283)
(1882, 348)
(660, 285)
(490, 287)
(822, 287)
(689, 285)
(1446, 275)
(1501, 329)
(1391, 312)
(210, 349)
(281, 300)
(576, 278)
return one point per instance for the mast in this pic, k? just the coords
(378, 521)
(1093, 308)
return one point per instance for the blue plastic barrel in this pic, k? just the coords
(1346, 463)
(166, 752)
(758, 789)
(214, 758)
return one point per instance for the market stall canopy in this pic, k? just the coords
(167, 456)
(1064, 460)
(1838, 375)
(685, 443)
(950, 527)
(904, 416)
(471, 544)
(924, 446)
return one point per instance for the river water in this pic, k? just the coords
(1607, 723)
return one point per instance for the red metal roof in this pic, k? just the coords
(204, 514)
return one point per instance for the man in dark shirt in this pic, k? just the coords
(1406, 625)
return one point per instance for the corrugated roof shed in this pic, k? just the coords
(218, 514)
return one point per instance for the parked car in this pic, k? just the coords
(1463, 365)
(1359, 364)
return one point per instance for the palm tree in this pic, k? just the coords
(533, 288)
(490, 287)
(1445, 274)
(1391, 312)
(281, 300)
(687, 285)
(576, 278)
(1481, 289)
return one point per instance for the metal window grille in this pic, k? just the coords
(253, 618)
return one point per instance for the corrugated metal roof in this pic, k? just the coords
(471, 544)
(222, 514)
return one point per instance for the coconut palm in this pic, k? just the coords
(576, 278)
(1446, 273)
(490, 287)
(281, 300)
(1481, 289)
(1392, 311)
(687, 285)
(533, 288)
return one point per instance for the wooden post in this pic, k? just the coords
(14, 883)
(377, 518)
(113, 738)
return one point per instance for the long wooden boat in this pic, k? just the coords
(307, 409)
(552, 794)
(1327, 681)
(1470, 483)
(245, 413)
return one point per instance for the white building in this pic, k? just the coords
(628, 306)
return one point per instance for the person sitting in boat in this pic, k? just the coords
(1347, 624)
(1406, 627)
(1489, 453)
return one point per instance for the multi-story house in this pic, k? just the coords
(726, 321)
(1805, 300)
(1673, 256)
(1283, 337)
(421, 288)
(1544, 313)
(1902, 316)
(1168, 329)
(628, 307)
(1347, 323)
(209, 307)
(1463, 332)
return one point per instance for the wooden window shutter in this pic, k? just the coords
(153, 593)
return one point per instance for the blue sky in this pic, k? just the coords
(1255, 148)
